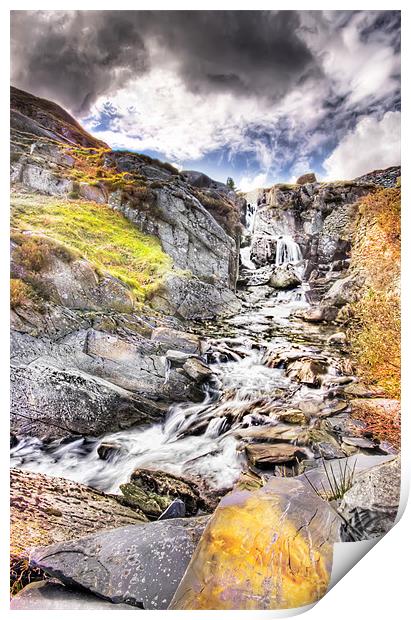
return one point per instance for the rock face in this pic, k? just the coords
(196, 219)
(371, 505)
(46, 595)
(46, 510)
(91, 381)
(191, 299)
(293, 550)
(319, 217)
(137, 565)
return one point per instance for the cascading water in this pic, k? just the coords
(288, 251)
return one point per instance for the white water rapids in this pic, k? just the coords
(194, 439)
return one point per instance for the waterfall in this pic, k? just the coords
(288, 251)
(250, 216)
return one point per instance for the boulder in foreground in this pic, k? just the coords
(257, 554)
(139, 565)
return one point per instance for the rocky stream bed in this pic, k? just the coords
(272, 418)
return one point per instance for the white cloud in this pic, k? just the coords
(372, 145)
(247, 183)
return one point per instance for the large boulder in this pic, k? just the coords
(285, 277)
(292, 548)
(139, 565)
(46, 510)
(306, 178)
(50, 402)
(371, 505)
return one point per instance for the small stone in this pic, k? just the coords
(337, 338)
(359, 442)
(175, 510)
(107, 451)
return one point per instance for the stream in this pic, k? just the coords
(206, 440)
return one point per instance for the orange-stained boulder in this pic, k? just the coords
(271, 548)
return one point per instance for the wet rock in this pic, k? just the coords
(197, 370)
(138, 565)
(45, 595)
(154, 490)
(292, 548)
(46, 510)
(306, 178)
(360, 390)
(292, 416)
(268, 455)
(307, 371)
(371, 505)
(284, 277)
(51, 403)
(107, 451)
(177, 340)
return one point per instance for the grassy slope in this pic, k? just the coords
(99, 234)
(375, 334)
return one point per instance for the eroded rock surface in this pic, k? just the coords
(138, 565)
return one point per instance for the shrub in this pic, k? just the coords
(20, 293)
(375, 332)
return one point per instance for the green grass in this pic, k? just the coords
(102, 236)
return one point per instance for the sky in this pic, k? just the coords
(261, 96)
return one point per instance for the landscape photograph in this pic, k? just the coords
(205, 249)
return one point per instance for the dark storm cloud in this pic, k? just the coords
(76, 56)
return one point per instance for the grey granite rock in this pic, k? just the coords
(45, 595)
(138, 565)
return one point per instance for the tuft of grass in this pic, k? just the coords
(96, 232)
(339, 485)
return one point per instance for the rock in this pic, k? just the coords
(107, 451)
(337, 338)
(177, 357)
(175, 510)
(186, 229)
(174, 339)
(344, 291)
(306, 178)
(51, 403)
(318, 314)
(292, 416)
(292, 547)
(359, 442)
(197, 370)
(46, 510)
(190, 299)
(371, 505)
(45, 595)
(284, 277)
(308, 371)
(140, 565)
(257, 277)
(268, 455)
(154, 491)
